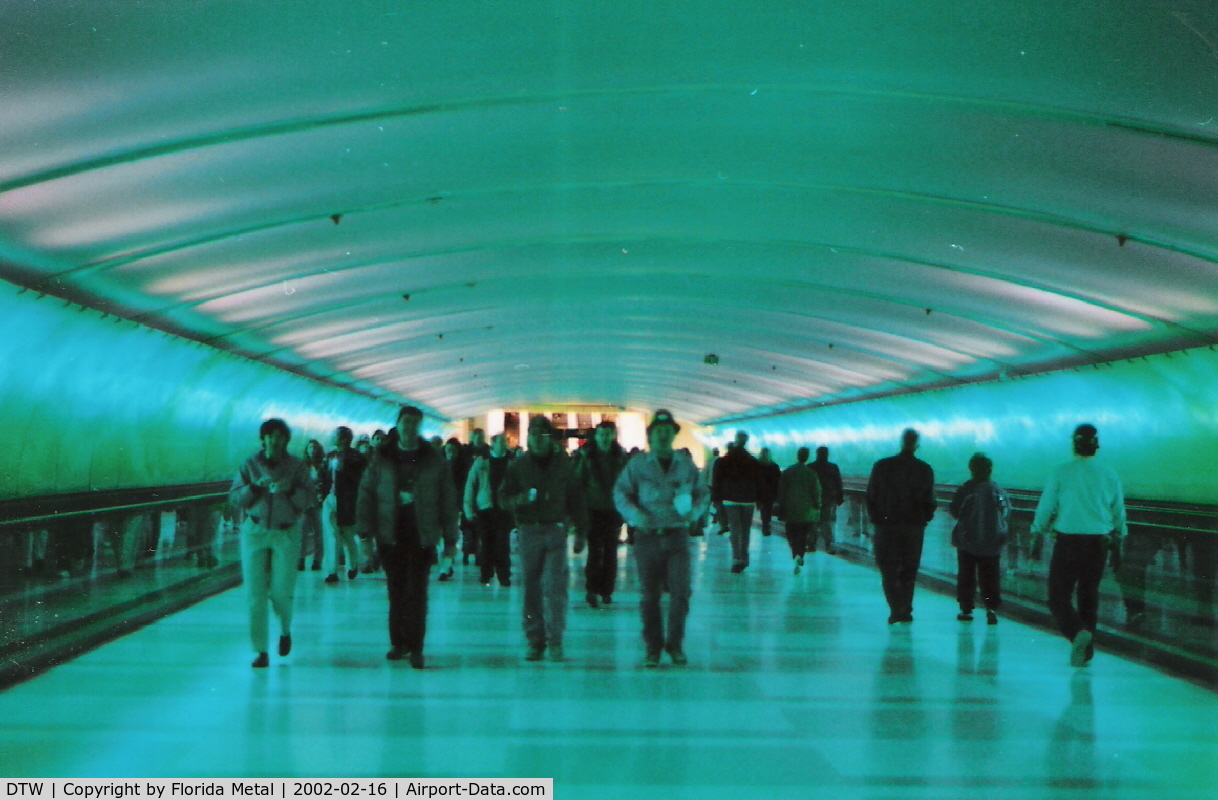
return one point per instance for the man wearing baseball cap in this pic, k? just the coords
(662, 493)
(541, 489)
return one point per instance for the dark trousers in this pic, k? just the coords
(898, 553)
(407, 569)
(543, 562)
(739, 522)
(663, 559)
(797, 537)
(766, 509)
(600, 573)
(823, 529)
(495, 544)
(1077, 563)
(470, 537)
(971, 570)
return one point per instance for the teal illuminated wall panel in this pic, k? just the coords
(98, 403)
(1158, 421)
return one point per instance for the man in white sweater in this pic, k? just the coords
(1084, 508)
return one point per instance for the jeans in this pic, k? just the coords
(663, 559)
(543, 557)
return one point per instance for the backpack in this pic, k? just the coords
(981, 528)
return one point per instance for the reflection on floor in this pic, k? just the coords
(796, 687)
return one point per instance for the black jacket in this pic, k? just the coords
(901, 491)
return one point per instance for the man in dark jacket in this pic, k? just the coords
(767, 488)
(541, 490)
(599, 464)
(346, 468)
(900, 501)
(408, 503)
(832, 496)
(735, 483)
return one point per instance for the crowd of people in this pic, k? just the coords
(403, 504)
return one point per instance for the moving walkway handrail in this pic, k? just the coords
(31, 511)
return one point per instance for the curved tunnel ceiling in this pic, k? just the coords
(507, 204)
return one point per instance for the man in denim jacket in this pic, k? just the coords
(662, 493)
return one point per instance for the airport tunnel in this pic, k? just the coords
(821, 225)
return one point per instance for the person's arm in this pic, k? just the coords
(577, 511)
(929, 503)
(626, 495)
(366, 505)
(450, 518)
(1117, 507)
(246, 489)
(301, 489)
(872, 495)
(958, 500)
(469, 499)
(699, 493)
(1046, 507)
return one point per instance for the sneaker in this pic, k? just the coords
(991, 618)
(446, 575)
(965, 616)
(285, 644)
(396, 654)
(331, 578)
(652, 659)
(797, 566)
(556, 653)
(737, 567)
(416, 660)
(607, 599)
(261, 661)
(351, 574)
(505, 582)
(593, 600)
(534, 653)
(1079, 647)
(800, 559)
(678, 656)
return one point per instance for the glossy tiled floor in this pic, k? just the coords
(796, 687)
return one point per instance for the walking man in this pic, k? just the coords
(601, 461)
(661, 493)
(1083, 507)
(484, 504)
(900, 501)
(541, 490)
(408, 504)
(736, 484)
(346, 467)
(273, 489)
(832, 496)
(799, 504)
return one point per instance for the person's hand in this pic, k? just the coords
(405, 498)
(1037, 548)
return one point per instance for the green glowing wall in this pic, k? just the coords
(94, 403)
(1157, 416)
